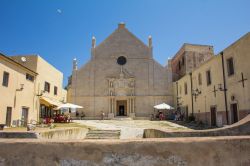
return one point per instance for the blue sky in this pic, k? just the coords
(59, 30)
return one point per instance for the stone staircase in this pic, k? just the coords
(103, 134)
(120, 118)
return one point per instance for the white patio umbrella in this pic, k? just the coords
(69, 106)
(163, 106)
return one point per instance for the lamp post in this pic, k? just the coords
(41, 93)
(18, 90)
(21, 87)
(196, 93)
(220, 88)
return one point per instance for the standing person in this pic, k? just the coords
(175, 116)
(82, 115)
(77, 114)
(68, 118)
(158, 115)
(161, 116)
(102, 115)
(152, 117)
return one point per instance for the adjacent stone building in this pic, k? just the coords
(188, 58)
(49, 92)
(31, 89)
(217, 92)
(121, 79)
(17, 86)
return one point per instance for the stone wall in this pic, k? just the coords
(240, 128)
(218, 151)
(55, 134)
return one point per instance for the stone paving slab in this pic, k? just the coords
(131, 129)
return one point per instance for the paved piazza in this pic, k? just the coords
(131, 129)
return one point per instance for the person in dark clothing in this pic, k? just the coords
(77, 114)
(82, 115)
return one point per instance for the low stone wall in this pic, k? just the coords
(66, 134)
(154, 133)
(240, 128)
(206, 151)
(72, 133)
(4, 134)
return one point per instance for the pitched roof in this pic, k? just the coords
(121, 29)
(18, 64)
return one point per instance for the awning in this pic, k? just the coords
(49, 101)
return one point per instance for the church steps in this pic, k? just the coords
(103, 134)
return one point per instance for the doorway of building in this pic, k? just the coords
(8, 116)
(234, 113)
(121, 108)
(25, 113)
(213, 116)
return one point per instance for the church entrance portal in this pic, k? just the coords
(121, 106)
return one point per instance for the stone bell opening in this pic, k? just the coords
(121, 106)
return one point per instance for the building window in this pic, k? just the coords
(208, 74)
(29, 77)
(199, 79)
(230, 66)
(47, 87)
(183, 61)
(5, 79)
(179, 65)
(45, 112)
(55, 90)
(185, 87)
(180, 90)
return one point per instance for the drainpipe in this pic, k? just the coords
(224, 83)
(191, 81)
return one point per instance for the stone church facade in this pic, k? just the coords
(121, 79)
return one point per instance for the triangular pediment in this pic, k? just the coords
(122, 40)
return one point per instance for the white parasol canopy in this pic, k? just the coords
(69, 105)
(163, 106)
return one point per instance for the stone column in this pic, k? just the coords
(128, 106)
(113, 105)
(131, 105)
(111, 112)
(110, 105)
(132, 113)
